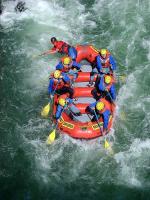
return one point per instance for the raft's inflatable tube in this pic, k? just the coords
(76, 129)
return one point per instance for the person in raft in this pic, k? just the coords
(104, 63)
(98, 109)
(66, 103)
(61, 47)
(59, 83)
(104, 87)
(69, 66)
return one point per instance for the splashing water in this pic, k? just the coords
(71, 169)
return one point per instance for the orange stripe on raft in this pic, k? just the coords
(82, 92)
(96, 50)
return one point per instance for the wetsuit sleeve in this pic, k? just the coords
(66, 78)
(58, 112)
(76, 65)
(101, 84)
(112, 62)
(90, 108)
(59, 66)
(105, 116)
(72, 52)
(113, 92)
(50, 86)
(98, 64)
(69, 101)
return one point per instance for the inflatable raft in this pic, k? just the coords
(79, 129)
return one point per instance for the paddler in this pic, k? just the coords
(64, 101)
(105, 62)
(60, 84)
(69, 66)
(105, 87)
(61, 47)
(98, 109)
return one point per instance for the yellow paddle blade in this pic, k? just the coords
(106, 144)
(123, 115)
(45, 110)
(51, 137)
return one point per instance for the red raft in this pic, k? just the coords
(79, 129)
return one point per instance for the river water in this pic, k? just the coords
(72, 169)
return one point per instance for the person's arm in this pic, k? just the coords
(66, 78)
(76, 65)
(50, 51)
(98, 64)
(112, 62)
(69, 101)
(105, 116)
(113, 92)
(58, 112)
(91, 108)
(59, 66)
(50, 86)
(101, 84)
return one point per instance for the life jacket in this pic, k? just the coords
(105, 62)
(59, 85)
(106, 107)
(62, 47)
(108, 86)
(86, 52)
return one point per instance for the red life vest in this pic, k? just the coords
(106, 107)
(60, 84)
(61, 46)
(57, 85)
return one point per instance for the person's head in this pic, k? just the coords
(66, 61)
(107, 79)
(57, 74)
(62, 102)
(53, 40)
(103, 52)
(100, 106)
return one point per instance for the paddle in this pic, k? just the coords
(46, 109)
(106, 144)
(52, 135)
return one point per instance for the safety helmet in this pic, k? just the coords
(53, 39)
(107, 79)
(57, 74)
(103, 51)
(66, 60)
(100, 106)
(62, 102)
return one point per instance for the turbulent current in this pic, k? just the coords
(71, 169)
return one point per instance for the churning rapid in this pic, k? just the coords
(71, 169)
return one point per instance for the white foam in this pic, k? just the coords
(131, 163)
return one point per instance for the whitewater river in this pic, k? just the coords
(72, 169)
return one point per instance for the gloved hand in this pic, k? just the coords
(51, 96)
